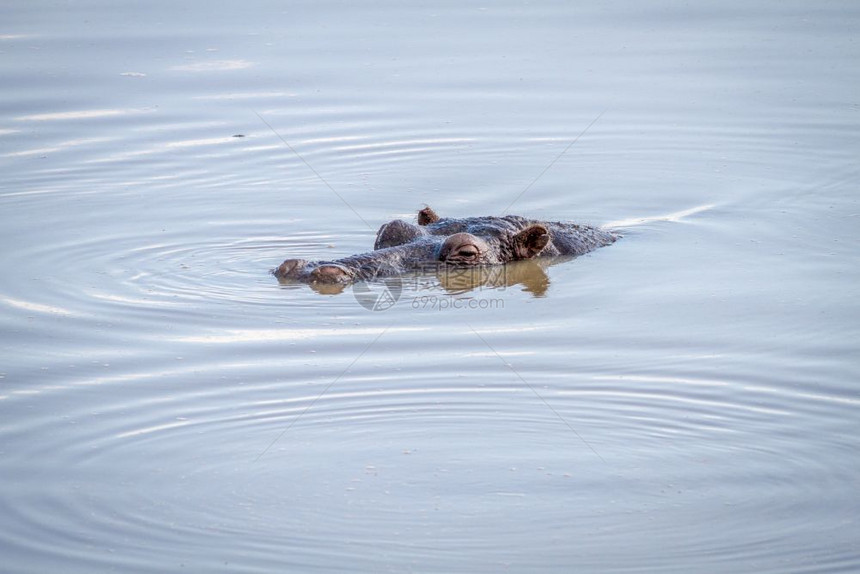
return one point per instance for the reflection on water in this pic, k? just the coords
(529, 273)
(688, 396)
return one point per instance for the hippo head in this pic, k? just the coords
(485, 241)
(493, 248)
(459, 242)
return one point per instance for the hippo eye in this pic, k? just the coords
(464, 249)
(467, 252)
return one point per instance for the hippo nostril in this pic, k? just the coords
(290, 267)
(331, 273)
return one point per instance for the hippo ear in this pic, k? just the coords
(427, 216)
(530, 241)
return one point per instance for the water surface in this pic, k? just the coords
(684, 400)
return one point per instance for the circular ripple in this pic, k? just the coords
(163, 271)
(285, 460)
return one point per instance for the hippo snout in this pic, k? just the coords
(322, 272)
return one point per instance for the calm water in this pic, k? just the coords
(686, 400)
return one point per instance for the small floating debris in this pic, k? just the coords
(238, 135)
(133, 74)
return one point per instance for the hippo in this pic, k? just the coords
(401, 247)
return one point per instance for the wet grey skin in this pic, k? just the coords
(401, 247)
